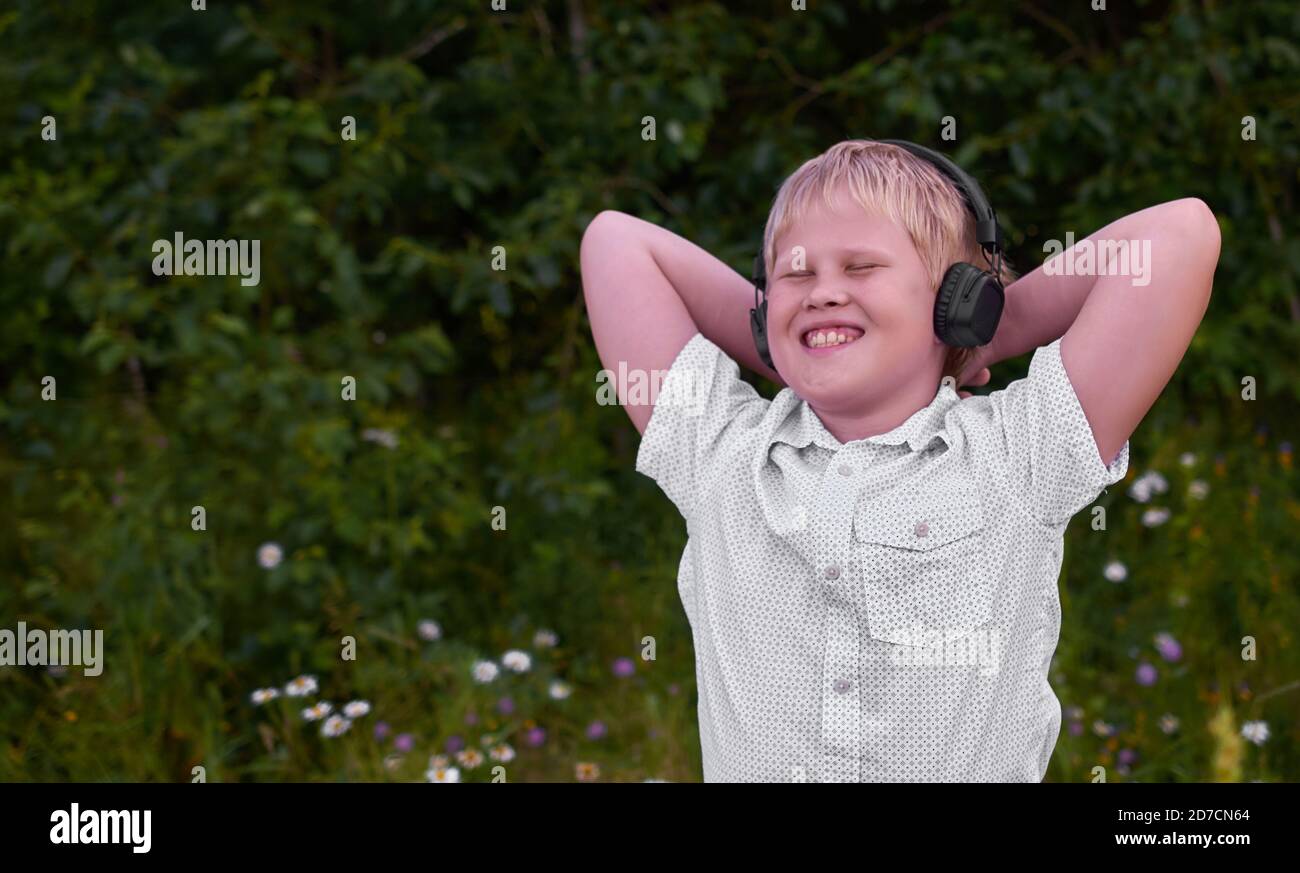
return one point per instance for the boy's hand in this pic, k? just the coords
(976, 372)
(980, 378)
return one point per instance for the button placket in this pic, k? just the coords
(841, 712)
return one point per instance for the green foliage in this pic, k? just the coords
(478, 129)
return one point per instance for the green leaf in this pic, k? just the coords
(57, 270)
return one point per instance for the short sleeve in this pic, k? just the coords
(1050, 446)
(702, 410)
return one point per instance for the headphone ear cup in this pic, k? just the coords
(758, 327)
(967, 307)
(943, 303)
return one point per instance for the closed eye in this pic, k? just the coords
(802, 273)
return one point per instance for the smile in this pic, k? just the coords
(831, 337)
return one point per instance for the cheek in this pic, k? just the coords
(780, 311)
(905, 313)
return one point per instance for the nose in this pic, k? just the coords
(826, 293)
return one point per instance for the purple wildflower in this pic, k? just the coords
(624, 667)
(1168, 647)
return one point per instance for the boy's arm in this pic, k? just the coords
(1121, 341)
(649, 291)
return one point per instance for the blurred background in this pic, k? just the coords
(525, 643)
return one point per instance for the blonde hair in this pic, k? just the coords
(890, 181)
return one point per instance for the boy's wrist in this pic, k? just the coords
(1018, 331)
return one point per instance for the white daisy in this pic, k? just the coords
(560, 689)
(335, 725)
(356, 708)
(269, 555)
(319, 711)
(1187, 459)
(516, 660)
(442, 774)
(484, 671)
(429, 630)
(1168, 723)
(1197, 489)
(545, 639)
(1255, 731)
(301, 687)
(1116, 571)
(1146, 485)
(262, 695)
(469, 758)
(1155, 516)
(438, 762)
(502, 753)
(385, 438)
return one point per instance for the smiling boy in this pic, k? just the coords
(872, 557)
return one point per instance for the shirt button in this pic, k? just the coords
(922, 529)
(832, 572)
(846, 470)
(842, 685)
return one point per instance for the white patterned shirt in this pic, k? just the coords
(879, 610)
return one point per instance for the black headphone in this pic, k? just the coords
(969, 303)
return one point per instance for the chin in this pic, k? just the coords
(817, 385)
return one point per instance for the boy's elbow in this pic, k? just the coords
(602, 241)
(1198, 227)
(600, 224)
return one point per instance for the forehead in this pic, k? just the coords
(843, 225)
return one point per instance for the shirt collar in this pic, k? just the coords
(801, 426)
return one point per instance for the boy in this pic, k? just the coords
(872, 557)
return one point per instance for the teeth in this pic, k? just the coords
(824, 338)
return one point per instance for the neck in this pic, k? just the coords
(851, 423)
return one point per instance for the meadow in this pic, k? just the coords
(453, 573)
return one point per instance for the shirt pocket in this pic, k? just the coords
(922, 556)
